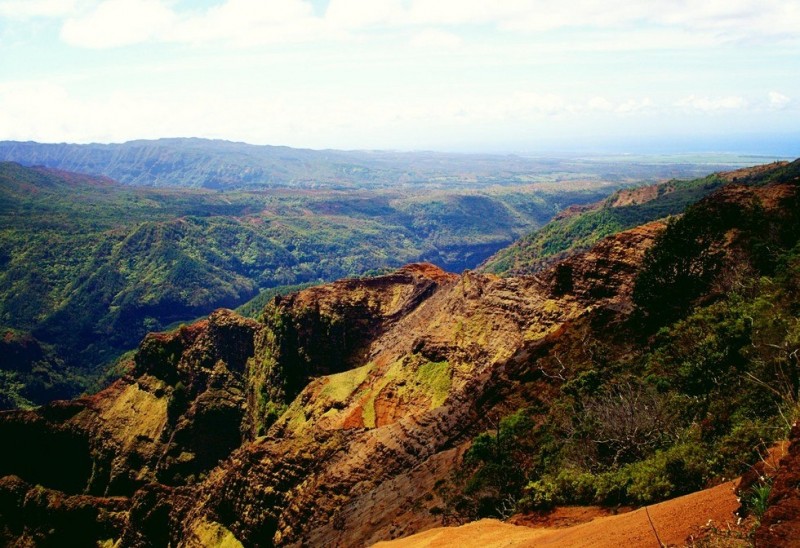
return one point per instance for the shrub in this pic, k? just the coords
(678, 268)
(680, 469)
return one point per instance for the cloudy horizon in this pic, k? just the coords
(472, 75)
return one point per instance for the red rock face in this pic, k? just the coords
(180, 412)
(390, 374)
(780, 525)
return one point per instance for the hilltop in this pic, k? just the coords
(648, 366)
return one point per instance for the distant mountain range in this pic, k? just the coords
(215, 164)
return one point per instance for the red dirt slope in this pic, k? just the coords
(675, 520)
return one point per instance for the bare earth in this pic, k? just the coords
(675, 520)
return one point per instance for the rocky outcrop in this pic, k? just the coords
(172, 419)
(184, 406)
(326, 330)
(605, 271)
(32, 515)
(780, 524)
(379, 384)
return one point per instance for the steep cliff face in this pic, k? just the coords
(333, 419)
(358, 453)
(780, 525)
(173, 417)
(33, 515)
(327, 330)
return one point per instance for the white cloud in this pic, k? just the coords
(355, 14)
(242, 23)
(628, 24)
(25, 9)
(600, 104)
(738, 20)
(250, 22)
(459, 12)
(710, 104)
(436, 40)
(314, 118)
(634, 106)
(778, 100)
(49, 112)
(114, 23)
(722, 21)
(18, 117)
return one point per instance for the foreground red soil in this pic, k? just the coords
(675, 521)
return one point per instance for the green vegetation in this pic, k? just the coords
(255, 306)
(341, 385)
(32, 372)
(435, 378)
(89, 266)
(624, 209)
(700, 382)
(579, 231)
(716, 390)
(412, 378)
(756, 499)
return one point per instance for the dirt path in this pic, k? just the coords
(675, 520)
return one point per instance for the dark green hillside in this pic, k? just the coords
(578, 230)
(90, 266)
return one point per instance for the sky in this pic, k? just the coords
(453, 75)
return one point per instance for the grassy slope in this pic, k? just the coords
(577, 232)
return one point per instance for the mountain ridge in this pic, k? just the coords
(577, 227)
(219, 164)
